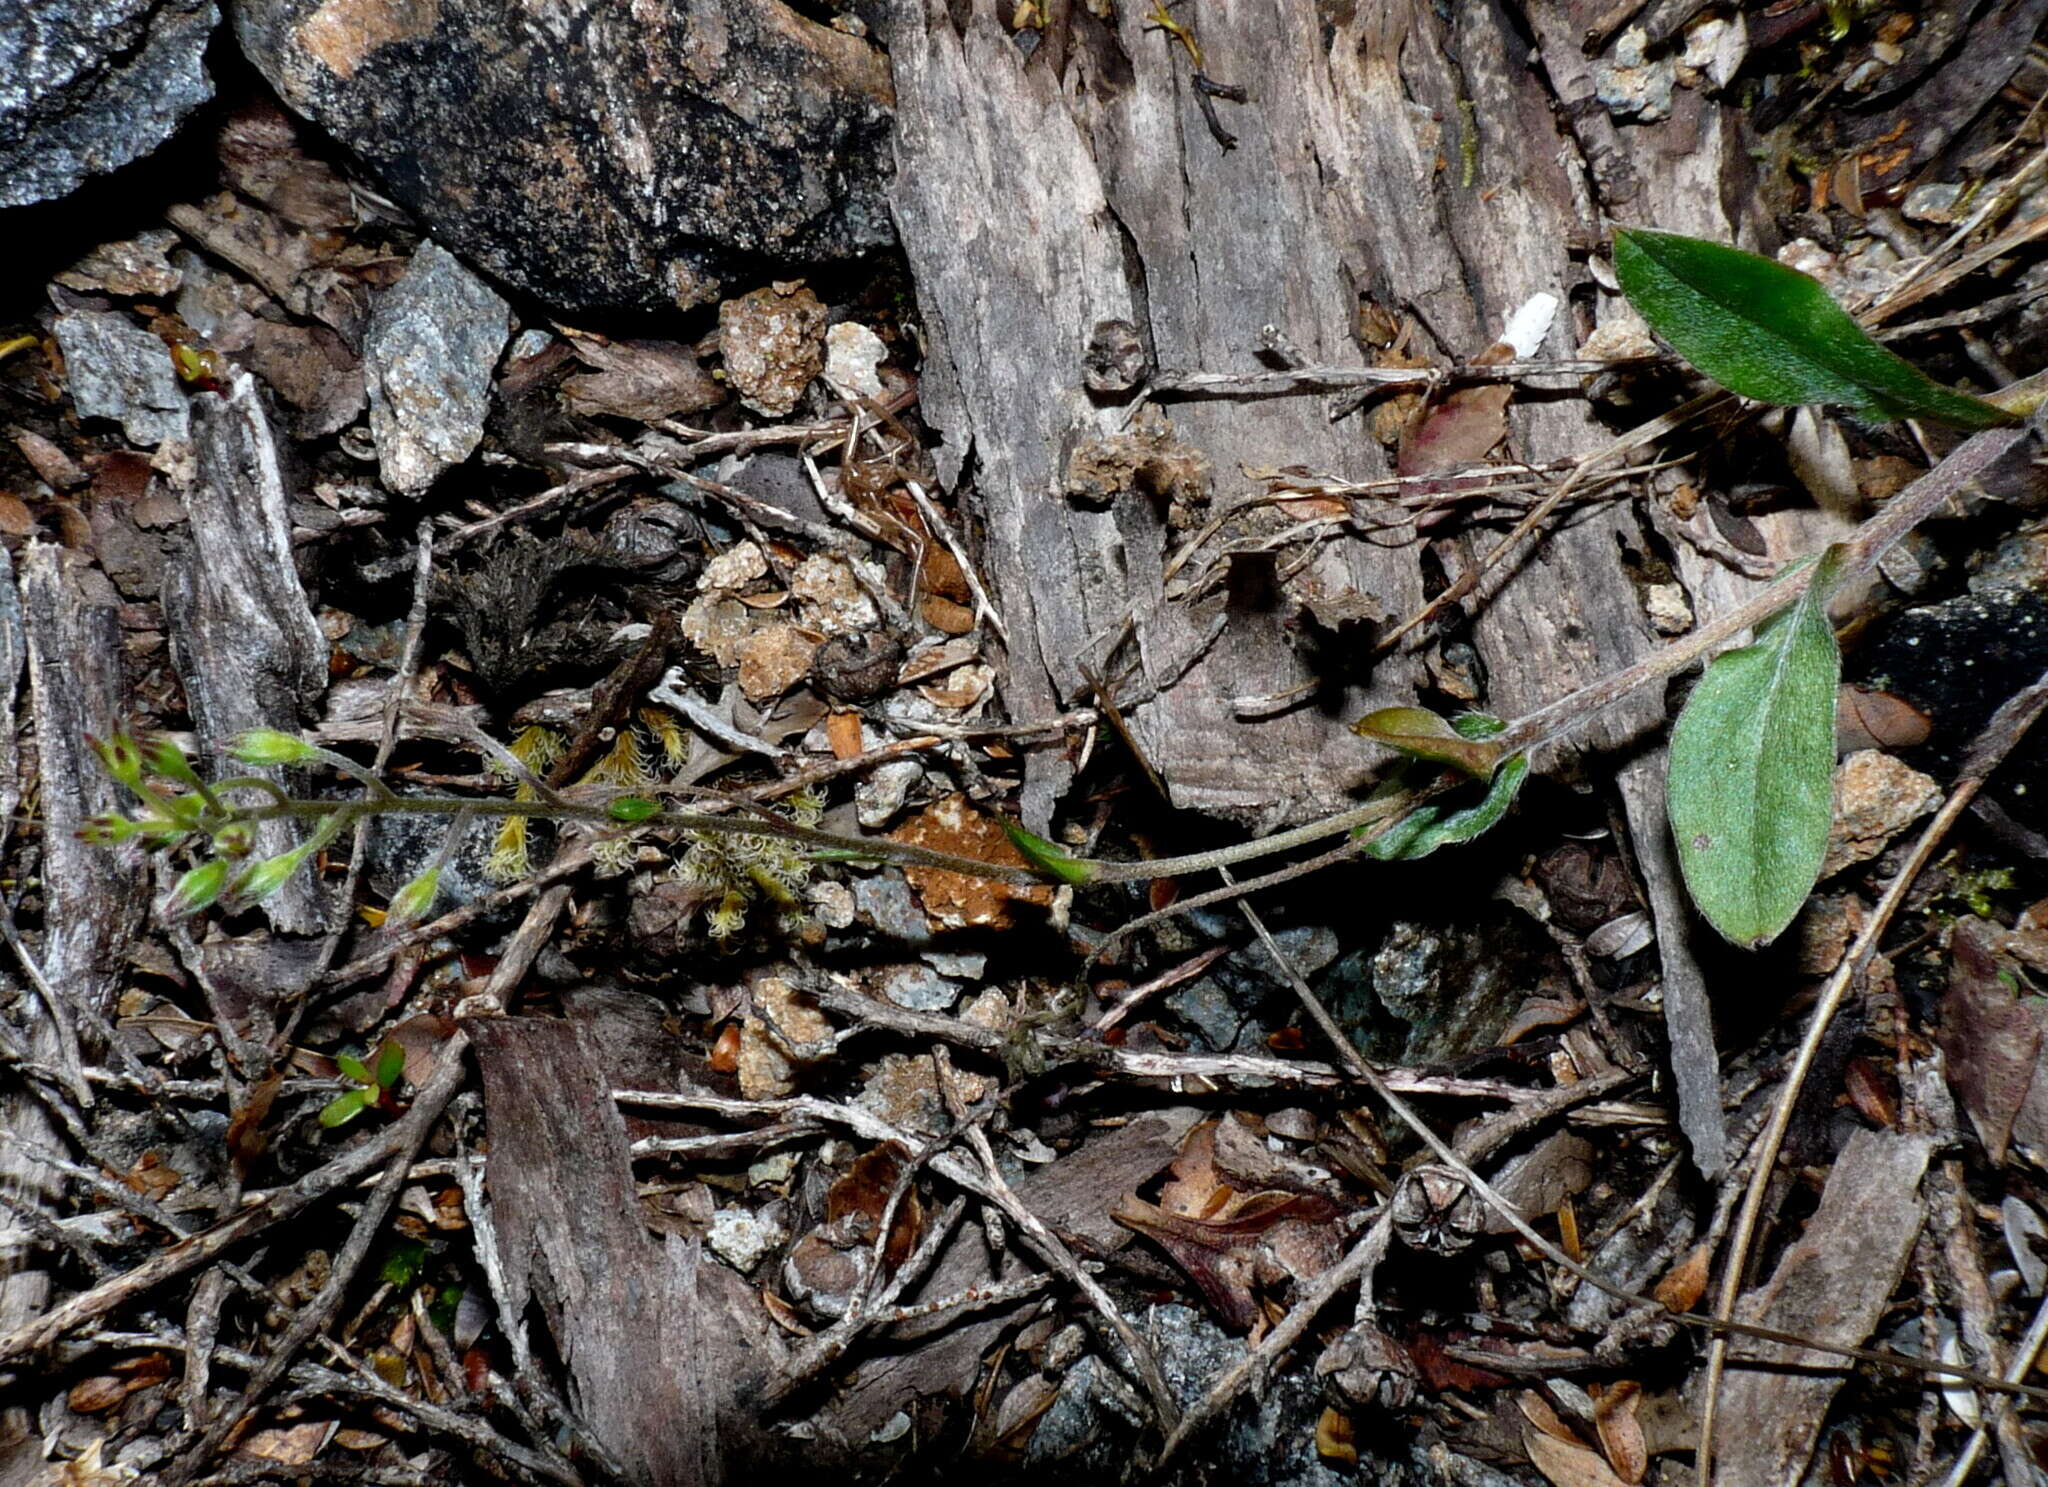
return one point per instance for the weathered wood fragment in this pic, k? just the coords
(241, 631)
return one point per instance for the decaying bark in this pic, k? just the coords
(94, 899)
(241, 631)
(1424, 165)
(658, 1345)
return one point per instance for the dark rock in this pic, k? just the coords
(631, 161)
(88, 85)
(434, 339)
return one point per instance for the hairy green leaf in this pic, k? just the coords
(1772, 333)
(1428, 827)
(1751, 789)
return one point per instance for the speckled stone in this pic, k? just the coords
(86, 86)
(604, 157)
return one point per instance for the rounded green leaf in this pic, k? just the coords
(390, 1063)
(633, 808)
(1772, 333)
(1751, 789)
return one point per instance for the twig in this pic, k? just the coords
(2003, 732)
(1541, 512)
(942, 529)
(394, 705)
(2022, 1364)
(273, 1208)
(1055, 1253)
(1871, 541)
(411, 1133)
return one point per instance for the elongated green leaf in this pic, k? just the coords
(1047, 858)
(1771, 333)
(344, 1108)
(1751, 790)
(1432, 826)
(390, 1063)
(354, 1068)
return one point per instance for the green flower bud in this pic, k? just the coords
(109, 830)
(196, 889)
(120, 757)
(262, 746)
(236, 839)
(259, 880)
(414, 899)
(165, 758)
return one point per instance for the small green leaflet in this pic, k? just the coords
(1751, 790)
(1428, 827)
(1772, 333)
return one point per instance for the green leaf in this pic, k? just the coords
(1751, 790)
(354, 1068)
(344, 1108)
(1421, 734)
(1428, 827)
(265, 746)
(390, 1063)
(1771, 333)
(1046, 857)
(633, 808)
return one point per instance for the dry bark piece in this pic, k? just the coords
(773, 344)
(242, 632)
(132, 268)
(1833, 1285)
(659, 1347)
(641, 380)
(954, 900)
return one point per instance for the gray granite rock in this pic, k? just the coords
(434, 338)
(120, 371)
(603, 157)
(88, 85)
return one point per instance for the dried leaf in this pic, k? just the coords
(1567, 1463)
(641, 380)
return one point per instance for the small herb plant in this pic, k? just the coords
(1751, 758)
(376, 1084)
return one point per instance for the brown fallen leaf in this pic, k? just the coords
(104, 1391)
(1621, 1436)
(1568, 1463)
